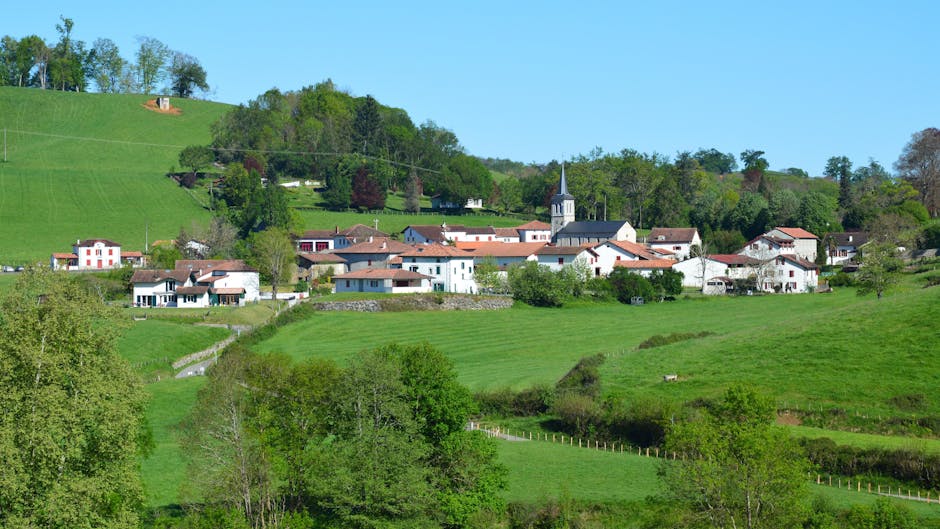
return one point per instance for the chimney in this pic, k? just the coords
(370, 238)
(850, 238)
(336, 228)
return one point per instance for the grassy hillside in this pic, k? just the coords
(828, 349)
(92, 165)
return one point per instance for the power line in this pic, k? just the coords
(219, 149)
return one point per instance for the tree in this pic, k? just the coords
(839, 169)
(151, 62)
(196, 157)
(273, 254)
(666, 282)
(880, 268)
(68, 60)
(72, 428)
(413, 194)
(784, 207)
(186, 75)
(487, 276)
(107, 66)
(919, 164)
(465, 177)
(510, 194)
(338, 194)
(628, 285)
(367, 126)
(714, 161)
(737, 468)
(816, 213)
(754, 166)
(537, 285)
(368, 190)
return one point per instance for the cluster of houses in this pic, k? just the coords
(442, 258)
(426, 258)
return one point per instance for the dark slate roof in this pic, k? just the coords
(428, 231)
(842, 239)
(592, 228)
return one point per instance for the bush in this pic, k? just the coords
(508, 403)
(841, 279)
(537, 285)
(583, 378)
(627, 285)
(578, 413)
(659, 340)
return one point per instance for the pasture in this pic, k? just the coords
(832, 350)
(151, 346)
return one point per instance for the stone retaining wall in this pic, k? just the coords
(419, 303)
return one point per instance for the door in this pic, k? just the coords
(99, 263)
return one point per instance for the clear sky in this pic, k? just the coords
(535, 81)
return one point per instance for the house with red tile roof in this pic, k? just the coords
(373, 253)
(383, 280)
(645, 267)
(679, 241)
(535, 231)
(791, 274)
(804, 242)
(89, 254)
(611, 252)
(196, 284)
(313, 265)
(558, 257)
(697, 271)
(504, 254)
(449, 269)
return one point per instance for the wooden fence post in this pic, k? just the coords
(647, 451)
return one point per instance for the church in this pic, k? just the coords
(566, 231)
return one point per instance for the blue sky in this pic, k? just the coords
(533, 81)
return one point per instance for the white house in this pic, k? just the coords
(316, 240)
(698, 270)
(197, 283)
(558, 257)
(445, 234)
(390, 281)
(373, 253)
(766, 246)
(313, 265)
(679, 241)
(503, 254)
(790, 274)
(843, 247)
(230, 282)
(158, 288)
(90, 254)
(449, 269)
(472, 203)
(611, 252)
(507, 235)
(535, 231)
(804, 242)
(645, 267)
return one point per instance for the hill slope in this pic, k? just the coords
(93, 165)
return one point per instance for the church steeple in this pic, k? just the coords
(562, 205)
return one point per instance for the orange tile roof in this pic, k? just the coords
(632, 247)
(535, 225)
(378, 245)
(382, 273)
(64, 256)
(132, 254)
(680, 235)
(797, 233)
(507, 249)
(643, 264)
(435, 250)
(204, 266)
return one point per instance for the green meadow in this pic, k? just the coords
(93, 165)
(827, 350)
(151, 346)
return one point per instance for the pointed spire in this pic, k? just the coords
(563, 184)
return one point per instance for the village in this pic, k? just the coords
(442, 258)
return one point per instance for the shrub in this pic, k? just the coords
(583, 378)
(659, 340)
(537, 285)
(908, 402)
(841, 279)
(578, 413)
(627, 285)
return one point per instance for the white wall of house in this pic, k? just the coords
(692, 271)
(380, 285)
(765, 249)
(449, 274)
(557, 262)
(841, 254)
(535, 235)
(250, 281)
(682, 250)
(192, 301)
(159, 294)
(98, 256)
(607, 255)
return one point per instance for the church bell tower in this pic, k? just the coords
(562, 206)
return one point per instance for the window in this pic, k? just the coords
(110, 262)
(561, 260)
(374, 283)
(414, 268)
(478, 239)
(791, 273)
(306, 246)
(322, 245)
(677, 248)
(88, 252)
(87, 262)
(369, 262)
(97, 251)
(437, 270)
(463, 265)
(347, 283)
(110, 251)
(618, 257)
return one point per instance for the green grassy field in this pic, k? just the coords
(820, 350)
(151, 346)
(863, 440)
(165, 470)
(540, 470)
(93, 165)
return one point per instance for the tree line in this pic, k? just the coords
(70, 64)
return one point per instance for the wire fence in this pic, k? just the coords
(618, 447)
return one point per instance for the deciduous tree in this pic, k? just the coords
(737, 468)
(880, 268)
(186, 75)
(72, 427)
(919, 164)
(273, 254)
(151, 64)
